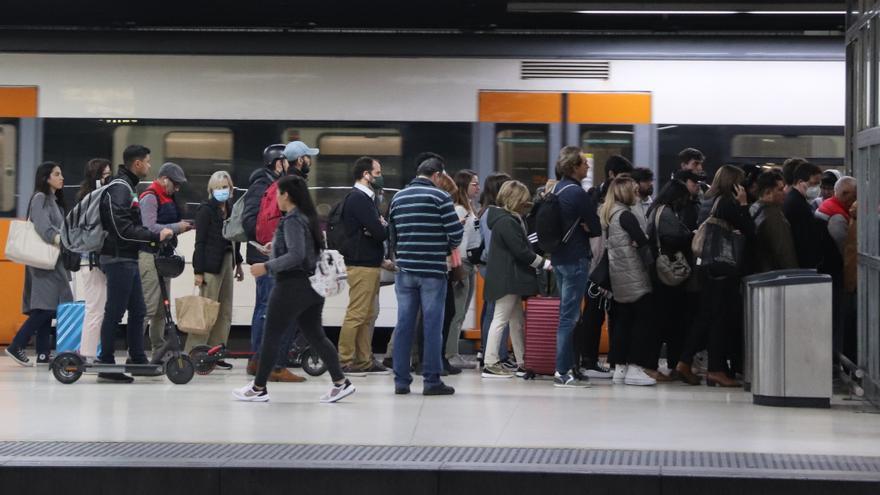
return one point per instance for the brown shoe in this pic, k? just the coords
(285, 375)
(686, 375)
(252, 367)
(720, 379)
(657, 375)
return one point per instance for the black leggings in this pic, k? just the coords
(293, 302)
(672, 320)
(719, 324)
(634, 338)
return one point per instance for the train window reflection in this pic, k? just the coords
(522, 153)
(7, 168)
(601, 142)
(781, 147)
(330, 178)
(200, 153)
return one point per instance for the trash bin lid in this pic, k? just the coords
(778, 278)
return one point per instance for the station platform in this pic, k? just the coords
(496, 435)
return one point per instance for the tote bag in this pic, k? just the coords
(196, 314)
(25, 246)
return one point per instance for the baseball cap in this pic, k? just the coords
(296, 149)
(173, 172)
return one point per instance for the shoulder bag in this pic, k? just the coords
(25, 246)
(671, 271)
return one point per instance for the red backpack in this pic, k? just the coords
(269, 215)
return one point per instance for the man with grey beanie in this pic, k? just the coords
(159, 210)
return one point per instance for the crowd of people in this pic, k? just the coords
(626, 256)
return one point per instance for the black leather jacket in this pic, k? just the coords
(121, 220)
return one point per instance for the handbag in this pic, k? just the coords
(196, 314)
(671, 271)
(71, 261)
(25, 246)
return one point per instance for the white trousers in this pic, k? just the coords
(96, 299)
(508, 311)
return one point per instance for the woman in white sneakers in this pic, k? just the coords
(295, 249)
(633, 338)
(511, 274)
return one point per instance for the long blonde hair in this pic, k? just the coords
(513, 196)
(724, 181)
(621, 190)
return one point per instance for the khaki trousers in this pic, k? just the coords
(356, 335)
(155, 317)
(218, 286)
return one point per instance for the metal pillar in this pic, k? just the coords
(30, 154)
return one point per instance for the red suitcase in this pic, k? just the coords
(542, 319)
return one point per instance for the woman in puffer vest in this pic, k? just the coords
(633, 338)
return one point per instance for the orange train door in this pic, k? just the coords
(15, 103)
(521, 133)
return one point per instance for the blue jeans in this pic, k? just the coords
(429, 294)
(265, 284)
(39, 322)
(571, 279)
(124, 292)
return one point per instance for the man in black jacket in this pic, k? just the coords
(805, 229)
(126, 235)
(364, 251)
(275, 167)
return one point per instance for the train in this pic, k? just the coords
(511, 114)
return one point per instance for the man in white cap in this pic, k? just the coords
(300, 157)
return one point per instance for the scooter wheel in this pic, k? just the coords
(68, 367)
(180, 369)
(203, 362)
(312, 363)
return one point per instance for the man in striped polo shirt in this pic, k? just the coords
(425, 229)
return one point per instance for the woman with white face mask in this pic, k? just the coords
(215, 259)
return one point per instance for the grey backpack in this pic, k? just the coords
(233, 229)
(82, 231)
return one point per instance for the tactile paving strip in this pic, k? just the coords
(688, 463)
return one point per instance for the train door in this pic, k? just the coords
(521, 133)
(7, 168)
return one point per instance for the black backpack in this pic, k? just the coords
(547, 214)
(336, 237)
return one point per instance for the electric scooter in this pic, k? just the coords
(68, 367)
(205, 357)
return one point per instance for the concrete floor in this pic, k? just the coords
(483, 412)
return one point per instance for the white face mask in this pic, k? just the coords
(813, 192)
(586, 183)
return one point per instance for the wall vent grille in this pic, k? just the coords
(565, 69)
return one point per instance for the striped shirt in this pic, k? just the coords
(426, 228)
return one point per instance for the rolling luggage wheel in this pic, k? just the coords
(530, 375)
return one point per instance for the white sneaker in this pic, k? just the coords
(635, 375)
(248, 394)
(619, 374)
(338, 392)
(460, 362)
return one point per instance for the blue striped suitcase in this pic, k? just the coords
(69, 326)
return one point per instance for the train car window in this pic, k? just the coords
(778, 147)
(604, 141)
(522, 153)
(200, 153)
(7, 169)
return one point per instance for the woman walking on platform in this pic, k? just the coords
(295, 249)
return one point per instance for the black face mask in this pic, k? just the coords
(305, 170)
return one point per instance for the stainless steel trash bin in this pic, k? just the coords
(790, 327)
(750, 323)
